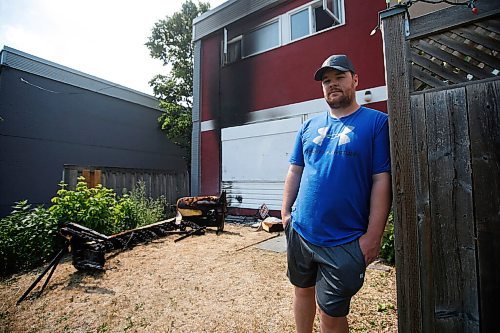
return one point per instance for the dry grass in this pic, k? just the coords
(200, 284)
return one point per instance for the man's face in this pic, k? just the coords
(339, 88)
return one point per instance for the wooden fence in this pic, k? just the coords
(443, 102)
(170, 184)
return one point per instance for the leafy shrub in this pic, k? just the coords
(136, 209)
(387, 250)
(28, 236)
(93, 208)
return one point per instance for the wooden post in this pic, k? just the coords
(396, 51)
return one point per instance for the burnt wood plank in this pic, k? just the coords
(451, 17)
(423, 211)
(446, 73)
(396, 51)
(453, 254)
(477, 38)
(451, 59)
(484, 117)
(469, 50)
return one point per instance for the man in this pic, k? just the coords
(339, 179)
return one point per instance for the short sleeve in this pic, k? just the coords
(297, 157)
(381, 149)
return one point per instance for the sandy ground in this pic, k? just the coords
(208, 283)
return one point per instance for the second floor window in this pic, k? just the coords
(299, 23)
(261, 39)
(314, 18)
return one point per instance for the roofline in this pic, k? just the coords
(227, 13)
(26, 62)
(213, 11)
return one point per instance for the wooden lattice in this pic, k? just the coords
(457, 55)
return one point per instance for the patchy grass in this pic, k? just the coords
(200, 284)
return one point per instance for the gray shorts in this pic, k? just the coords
(337, 272)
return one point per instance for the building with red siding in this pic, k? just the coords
(254, 87)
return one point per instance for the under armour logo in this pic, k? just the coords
(322, 134)
(343, 137)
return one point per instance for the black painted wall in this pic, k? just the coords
(54, 124)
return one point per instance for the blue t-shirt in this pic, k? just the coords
(339, 157)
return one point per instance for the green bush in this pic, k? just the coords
(28, 237)
(387, 250)
(136, 209)
(94, 208)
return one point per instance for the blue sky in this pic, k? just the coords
(104, 38)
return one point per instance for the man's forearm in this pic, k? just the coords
(380, 205)
(292, 183)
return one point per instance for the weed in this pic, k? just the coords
(384, 307)
(103, 328)
(130, 323)
(139, 306)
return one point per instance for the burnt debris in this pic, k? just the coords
(88, 247)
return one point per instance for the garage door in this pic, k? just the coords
(255, 162)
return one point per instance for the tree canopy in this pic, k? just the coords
(171, 42)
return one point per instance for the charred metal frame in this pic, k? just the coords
(208, 211)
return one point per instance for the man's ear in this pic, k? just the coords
(355, 79)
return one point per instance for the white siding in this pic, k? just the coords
(255, 162)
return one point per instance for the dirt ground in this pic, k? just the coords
(208, 283)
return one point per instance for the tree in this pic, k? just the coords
(171, 42)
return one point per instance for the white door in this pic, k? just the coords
(255, 162)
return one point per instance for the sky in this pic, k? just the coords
(103, 38)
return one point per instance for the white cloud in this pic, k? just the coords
(101, 38)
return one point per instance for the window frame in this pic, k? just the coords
(340, 17)
(284, 23)
(309, 21)
(312, 19)
(274, 20)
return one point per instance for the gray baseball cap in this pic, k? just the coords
(339, 62)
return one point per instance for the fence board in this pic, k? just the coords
(444, 262)
(423, 211)
(71, 178)
(483, 107)
(451, 206)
